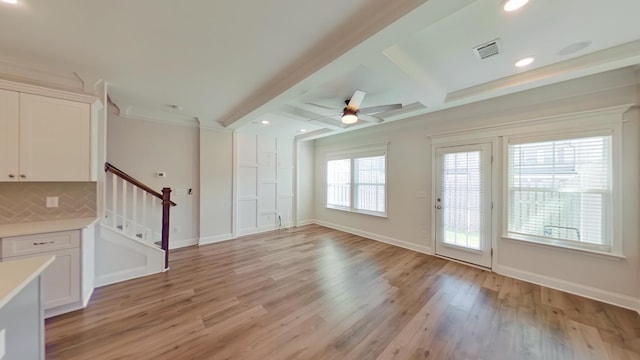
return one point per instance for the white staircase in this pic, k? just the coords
(132, 238)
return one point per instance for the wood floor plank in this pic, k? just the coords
(317, 293)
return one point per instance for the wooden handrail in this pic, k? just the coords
(166, 205)
(110, 168)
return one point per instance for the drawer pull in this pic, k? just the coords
(43, 243)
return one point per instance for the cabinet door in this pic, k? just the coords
(55, 138)
(9, 134)
(61, 280)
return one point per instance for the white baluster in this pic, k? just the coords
(124, 206)
(134, 212)
(154, 217)
(114, 201)
(144, 215)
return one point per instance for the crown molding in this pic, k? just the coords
(37, 89)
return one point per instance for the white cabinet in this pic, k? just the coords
(44, 138)
(61, 281)
(9, 135)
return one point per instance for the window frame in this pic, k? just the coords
(352, 155)
(614, 201)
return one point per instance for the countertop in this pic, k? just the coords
(16, 274)
(45, 226)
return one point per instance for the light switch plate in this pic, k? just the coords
(3, 342)
(52, 201)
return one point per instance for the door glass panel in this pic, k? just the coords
(462, 199)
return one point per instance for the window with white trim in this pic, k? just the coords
(559, 190)
(356, 181)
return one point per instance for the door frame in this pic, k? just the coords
(496, 184)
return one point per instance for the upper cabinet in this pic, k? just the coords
(9, 135)
(44, 138)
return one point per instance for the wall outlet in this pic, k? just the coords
(3, 342)
(52, 201)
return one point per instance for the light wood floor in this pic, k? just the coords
(316, 293)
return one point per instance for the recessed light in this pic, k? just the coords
(264, 122)
(12, 2)
(513, 5)
(303, 130)
(525, 61)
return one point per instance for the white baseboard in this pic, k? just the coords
(182, 243)
(305, 222)
(123, 275)
(259, 230)
(49, 313)
(214, 239)
(385, 239)
(86, 297)
(608, 297)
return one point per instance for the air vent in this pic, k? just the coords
(488, 49)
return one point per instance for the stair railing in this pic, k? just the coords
(140, 222)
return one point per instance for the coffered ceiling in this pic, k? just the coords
(234, 64)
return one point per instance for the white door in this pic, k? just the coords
(463, 203)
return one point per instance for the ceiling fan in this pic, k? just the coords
(352, 112)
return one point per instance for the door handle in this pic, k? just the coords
(438, 207)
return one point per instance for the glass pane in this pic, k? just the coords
(370, 183)
(461, 199)
(339, 182)
(560, 189)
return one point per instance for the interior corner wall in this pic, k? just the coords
(216, 197)
(409, 185)
(304, 183)
(143, 148)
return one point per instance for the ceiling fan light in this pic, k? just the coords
(513, 5)
(349, 119)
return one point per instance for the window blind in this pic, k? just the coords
(561, 189)
(369, 183)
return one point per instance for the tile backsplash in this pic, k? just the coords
(22, 202)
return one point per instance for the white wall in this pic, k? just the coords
(409, 185)
(264, 183)
(216, 169)
(142, 148)
(304, 183)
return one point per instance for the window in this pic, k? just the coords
(356, 181)
(559, 191)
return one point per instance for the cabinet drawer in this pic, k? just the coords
(34, 244)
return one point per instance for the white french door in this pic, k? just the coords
(463, 203)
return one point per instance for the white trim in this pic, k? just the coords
(63, 309)
(381, 238)
(352, 151)
(583, 120)
(608, 297)
(258, 230)
(86, 297)
(122, 275)
(50, 92)
(215, 239)
(306, 222)
(182, 243)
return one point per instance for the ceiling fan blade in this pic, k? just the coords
(323, 106)
(381, 108)
(356, 100)
(370, 118)
(333, 116)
